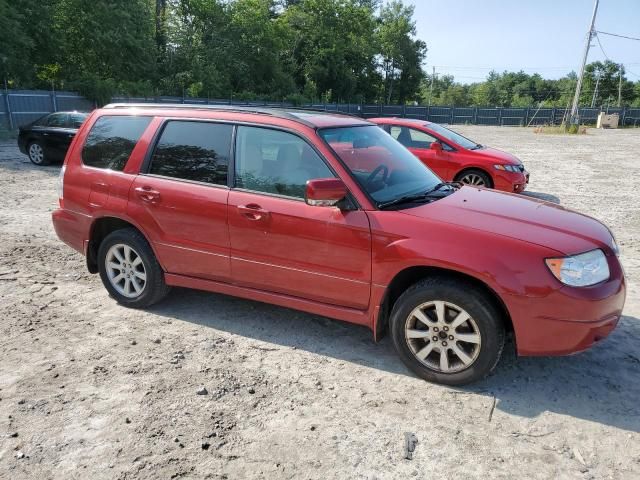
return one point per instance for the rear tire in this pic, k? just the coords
(129, 269)
(475, 178)
(447, 331)
(37, 154)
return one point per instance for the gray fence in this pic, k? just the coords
(18, 107)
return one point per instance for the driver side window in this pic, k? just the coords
(273, 161)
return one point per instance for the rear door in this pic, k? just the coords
(57, 135)
(281, 244)
(181, 198)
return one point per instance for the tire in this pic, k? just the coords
(37, 154)
(137, 281)
(475, 178)
(483, 331)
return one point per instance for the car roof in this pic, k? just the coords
(307, 117)
(401, 121)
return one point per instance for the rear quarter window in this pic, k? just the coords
(111, 141)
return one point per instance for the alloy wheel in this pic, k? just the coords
(36, 153)
(125, 270)
(443, 336)
(473, 179)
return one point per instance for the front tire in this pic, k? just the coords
(37, 155)
(129, 269)
(447, 331)
(475, 178)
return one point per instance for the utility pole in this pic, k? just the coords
(620, 85)
(576, 98)
(433, 75)
(595, 92)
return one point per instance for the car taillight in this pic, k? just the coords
(61, 185)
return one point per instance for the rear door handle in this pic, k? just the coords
(253, 212)
(147, 194)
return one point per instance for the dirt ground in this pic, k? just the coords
(89, 389)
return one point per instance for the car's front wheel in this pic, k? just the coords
(475, 178)
(37, 154)
(129, 270)
(447, 331)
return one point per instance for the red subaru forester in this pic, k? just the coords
(456, 158)
(328, 214)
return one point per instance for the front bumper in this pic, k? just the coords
(511, 181)
(568, 320)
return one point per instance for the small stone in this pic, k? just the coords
(313, 428)
(133, 342)
(13, 435)
(177, 440)
(202, 391)
(127, 420)
(205, 445)
(251, 390)
(19, 454)
(157, 340)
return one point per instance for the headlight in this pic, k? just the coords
(580, 270)
(508, 168)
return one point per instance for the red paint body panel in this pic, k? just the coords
(448, 164)
(339, 263)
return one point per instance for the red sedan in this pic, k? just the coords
(456, 158)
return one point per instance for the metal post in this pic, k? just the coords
(6, 98)
(595, 92)
(433, 76)
(576, 97)
(53, 96)
(620, 85)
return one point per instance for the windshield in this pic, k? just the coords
(382, 166)
(453, 136)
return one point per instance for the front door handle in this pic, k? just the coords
(253, 211)
(147, 194)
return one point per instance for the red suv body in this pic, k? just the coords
(328, 214)
(456, 158)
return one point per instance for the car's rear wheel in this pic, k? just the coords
(475, 178)
(37, 154)
(129, 270)
(447, 331)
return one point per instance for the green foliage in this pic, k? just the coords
(518, 89)
(307, 50)
(297, 50)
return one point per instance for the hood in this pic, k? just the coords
(498, 155)
(519, 217)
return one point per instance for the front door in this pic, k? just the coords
(181, 198)
(281, 244)
(419, 143)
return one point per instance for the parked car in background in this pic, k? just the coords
(328, 214)
(47, 139)
(456, 158)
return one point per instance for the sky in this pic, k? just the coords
(469, 38)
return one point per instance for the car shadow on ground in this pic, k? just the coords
(547, 197)
(599, 385)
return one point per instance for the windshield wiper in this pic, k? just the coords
(415, 197)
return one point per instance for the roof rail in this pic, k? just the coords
(279, 112)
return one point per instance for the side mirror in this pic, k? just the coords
(324, 192)
(436, 146)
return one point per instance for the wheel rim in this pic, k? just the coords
(125, 270)
(442, 336)
(473, 179)
(36, 154)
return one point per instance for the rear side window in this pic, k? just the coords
(190, 150)
(111, 141)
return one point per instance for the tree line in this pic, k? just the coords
(357, 51)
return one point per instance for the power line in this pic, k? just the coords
(617, 35)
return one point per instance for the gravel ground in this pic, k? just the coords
(89, 389)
